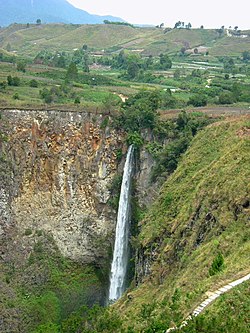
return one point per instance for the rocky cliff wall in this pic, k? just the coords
(60, 165)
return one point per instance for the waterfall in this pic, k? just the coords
(120, 254)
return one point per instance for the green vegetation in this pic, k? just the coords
(118, 23)
(119, 35)
(86, 76)
(227, 314)
(217, 264)
(196, 234)
(195, 239)
(47, 289)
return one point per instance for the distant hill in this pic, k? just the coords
(28, 41)
(49, 11)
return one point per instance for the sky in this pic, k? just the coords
(210, 13)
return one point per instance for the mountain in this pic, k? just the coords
(28, 11)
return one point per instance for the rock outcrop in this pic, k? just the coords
(60, 165)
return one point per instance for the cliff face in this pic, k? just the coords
(60, 165)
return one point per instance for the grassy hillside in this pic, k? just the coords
(228, 314)
(202, 211)
(30, 41)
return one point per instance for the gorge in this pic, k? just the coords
(57, 226)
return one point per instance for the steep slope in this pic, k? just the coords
(24, 11)
(196, 237)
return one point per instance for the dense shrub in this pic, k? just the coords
(198, 100)
(226, 98)
(217, 264)
(13, 81)
(33, 83)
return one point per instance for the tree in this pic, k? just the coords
(46, 95)
(228, 64)
(148, 62)
(121, 59)
(198, 100)
(202, 27)
(177, 25)
(33, 83)
(38, 21)
(245, 55)
(189, 25)
(165, 62)
(177, 73)
(21, 66)
(196, 51)
(132, 70)
(183, 50)
(139, 111)
(3, 85)
(13, 81)
(86, 62)
(226, 98)
(8, 47)
(72, 72)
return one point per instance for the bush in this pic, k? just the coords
(119, 155)
(217, 265)
(198, 100)
(3, 85)
(139, 111)
(13, 81)
(46, 95)
(16, 96)
(169, 156)
(226, 98)
(114, 189)
(27, 232)
(77, 100)
(134, 138)
(21, 66)
(33, 83)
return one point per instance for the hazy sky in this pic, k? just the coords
(210, 13)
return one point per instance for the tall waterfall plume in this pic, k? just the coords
(121, 249)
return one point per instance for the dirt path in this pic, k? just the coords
(213, 295)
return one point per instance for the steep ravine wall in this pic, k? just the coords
(60, 165)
